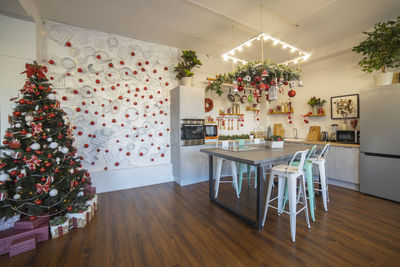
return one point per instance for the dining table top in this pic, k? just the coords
(258, 154)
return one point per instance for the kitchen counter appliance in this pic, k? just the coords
(348, 136)
(192, 132)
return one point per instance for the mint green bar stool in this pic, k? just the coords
(241, 143)
(308, 168)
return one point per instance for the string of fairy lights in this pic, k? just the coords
(300, 57)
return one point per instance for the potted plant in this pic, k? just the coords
(315, 103)
(381, 50)
(275, 141)
(189, 61)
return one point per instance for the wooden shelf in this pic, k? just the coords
(317, 115)
(210, 122)
(280, 112)
(231, 114)
(251, 109)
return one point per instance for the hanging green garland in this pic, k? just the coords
(258, 74)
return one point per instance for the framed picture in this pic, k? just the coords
(345, 104)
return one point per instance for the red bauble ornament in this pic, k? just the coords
(14, 173)
(42, 169)
(32, 218)
(291, 93)
(133, 54)
(51, 61)
(116, 163)
(69, 208)
(240, 79)
(240, 87)
(68, 44)
(86, 145)
(110, 65)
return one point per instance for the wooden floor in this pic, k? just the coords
(166, 225)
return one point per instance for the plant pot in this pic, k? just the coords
(314, 109)
(274, 144)
(383, 78)
(186, 81)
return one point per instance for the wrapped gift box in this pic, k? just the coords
(27, 224)
(22, 245)
(8, 236)
(59, 226)
(79, 219)
(93, 203)
(92, 190)
(7, 223)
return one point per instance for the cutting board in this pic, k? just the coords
(314, 133)
(279, 130)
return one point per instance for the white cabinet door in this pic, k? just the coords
(343, 164)
(191, 101)
(194, 164)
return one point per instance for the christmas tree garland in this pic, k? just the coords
(257, 74)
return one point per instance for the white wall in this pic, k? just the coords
(17, 47)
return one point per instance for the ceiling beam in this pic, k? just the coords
(32, 11)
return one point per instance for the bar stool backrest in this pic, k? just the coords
(324, 152)
(312, 152)
(302, 155)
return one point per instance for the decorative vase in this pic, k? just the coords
(314, 109)
(186, 81)
(383, 78)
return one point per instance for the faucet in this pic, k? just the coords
(295, 134)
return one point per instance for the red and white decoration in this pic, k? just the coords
(115, 91)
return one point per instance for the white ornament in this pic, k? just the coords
(17, 196)
(51, 96)
(18, 125)
(53, 145)
(35, 146)
(53, 192)
(300, 84)
(19, 189)
(64, 150)
(28, 118)
(29, 135)
(292, 83)
(14, 106)
(37, 107)
(71, 171)
(58, 160)
(49, 139)
(80, 194)
(4, 176)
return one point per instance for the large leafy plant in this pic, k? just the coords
(189, 61)
(381, 49)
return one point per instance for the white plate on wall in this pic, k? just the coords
(68, 63)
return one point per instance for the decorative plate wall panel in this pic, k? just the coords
(115, 91)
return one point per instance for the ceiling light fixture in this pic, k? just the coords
(303, 56)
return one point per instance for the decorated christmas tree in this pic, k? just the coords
(40, 173)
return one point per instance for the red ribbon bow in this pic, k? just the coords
(37, 128)
(35, 69)
(32, 162)
(43, 187)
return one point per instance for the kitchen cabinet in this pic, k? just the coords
(343, 164)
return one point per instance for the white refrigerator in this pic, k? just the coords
(380, 142)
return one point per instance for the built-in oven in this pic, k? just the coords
(192, 132)
(348, 136)
(211, 131)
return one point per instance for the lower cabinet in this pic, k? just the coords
(343, 163)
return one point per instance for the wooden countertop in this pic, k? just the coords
(324, 143)
(302, 141)
(259, 155)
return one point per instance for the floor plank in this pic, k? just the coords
(166, 225)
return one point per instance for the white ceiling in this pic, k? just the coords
(206, 25)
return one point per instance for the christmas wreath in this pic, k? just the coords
(208, 104)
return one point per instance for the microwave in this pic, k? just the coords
(211, 131)
(348, 136)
